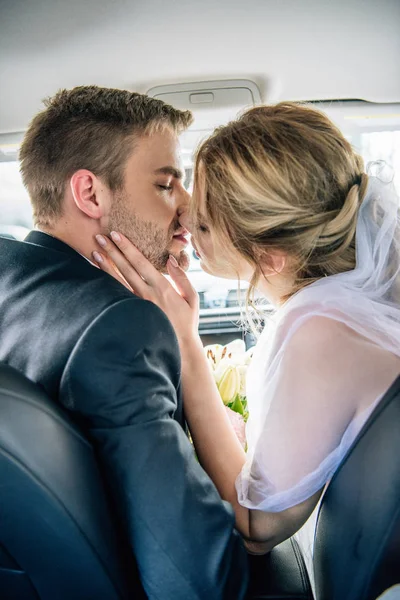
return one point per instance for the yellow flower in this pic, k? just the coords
(228, 365)
(229, 384)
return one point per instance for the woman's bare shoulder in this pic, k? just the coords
(321, 333)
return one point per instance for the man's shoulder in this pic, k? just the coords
(51, 270)
(127, 321)
(70, 291)
(130, 340)
(109, 306)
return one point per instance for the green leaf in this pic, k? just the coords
(237, 405)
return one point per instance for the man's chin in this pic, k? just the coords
(181, 257)
(183, 260)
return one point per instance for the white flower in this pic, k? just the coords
(243, 374)
(236, 348)
(248, 356)
(213, 353)
(229, 367)
(234, 352)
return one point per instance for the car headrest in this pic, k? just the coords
(57, 539)
(357, 543)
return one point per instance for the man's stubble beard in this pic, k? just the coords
(150, 239)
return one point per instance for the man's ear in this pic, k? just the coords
(89, 194)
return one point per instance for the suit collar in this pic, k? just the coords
(48, 241)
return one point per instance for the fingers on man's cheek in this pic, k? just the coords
(104, 263)
(97, 257)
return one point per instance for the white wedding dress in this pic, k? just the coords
(320, 367)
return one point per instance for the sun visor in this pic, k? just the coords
(208, 100)
(212, 103)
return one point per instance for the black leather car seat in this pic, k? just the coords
(57, 540)
(357, 543)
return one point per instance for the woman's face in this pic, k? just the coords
(217, 257)
(220, 258)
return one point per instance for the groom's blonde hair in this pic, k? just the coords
(282, 178)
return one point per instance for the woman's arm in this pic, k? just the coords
(217, 446)
(222, 456)
(220, 452)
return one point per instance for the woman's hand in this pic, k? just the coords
(121, 259)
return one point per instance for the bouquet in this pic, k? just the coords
(229, 366)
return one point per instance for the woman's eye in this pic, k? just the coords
(166, 188)
(203, 228)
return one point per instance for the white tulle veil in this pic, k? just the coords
(284, 468)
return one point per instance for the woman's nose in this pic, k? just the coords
(185, 198)
(184, 219)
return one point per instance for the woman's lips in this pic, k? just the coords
(181, 238)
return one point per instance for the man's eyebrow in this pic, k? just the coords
(177, 173)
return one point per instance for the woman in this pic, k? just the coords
(281, 200)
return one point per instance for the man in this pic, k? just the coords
(97, 160)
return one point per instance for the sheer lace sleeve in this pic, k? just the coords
(307, 410)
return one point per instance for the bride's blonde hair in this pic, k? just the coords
(282, 178)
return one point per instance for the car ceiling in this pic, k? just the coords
(293, 49)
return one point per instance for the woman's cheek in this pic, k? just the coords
(206, 252)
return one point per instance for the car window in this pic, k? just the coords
(15, 208)
(219, 298)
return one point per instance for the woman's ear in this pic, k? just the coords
(273, 262)
(90, 195)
